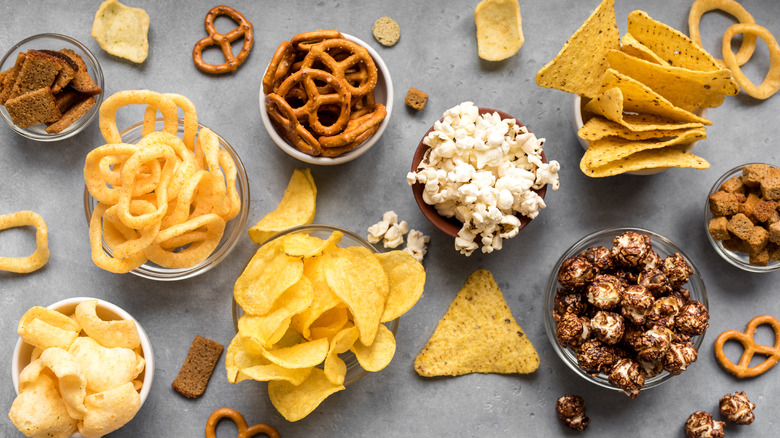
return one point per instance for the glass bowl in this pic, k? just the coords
(579, 120)
(450, 225)
(383, 93)
(664, 247)
(107, 312)
(234, 228)
(736, 258)
(354, 371)
(53, 41)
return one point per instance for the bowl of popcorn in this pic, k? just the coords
(626, 309)
(82, 367)
(480, 176)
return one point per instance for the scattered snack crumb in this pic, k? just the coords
(571, 410)
(701, 425)
(499, 29)
(196, 371)
(386, 31)
(478, 334)
(737, 408)
(122, 31)
(416, 99)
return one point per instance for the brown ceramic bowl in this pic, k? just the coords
(450, 225)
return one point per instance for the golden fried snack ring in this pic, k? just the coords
(223, 41)
(99, 257)
(326, 52)
(304, 41)
(282, 114)
(701, 7)
(193, 254)
(743, 368)
(316, 99)
(279, 67)
(771, 82)
(355, 128)
(238, 419)
(107, 113)
(36, 260)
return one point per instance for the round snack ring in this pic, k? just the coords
(743, 368)
(357, 55)
(93, 178)
(107, 113)
(36, 260)
(282, 114)
(771, 82)
(279, 67)
(243, 430)
(315, 99)
(99, 257)
(355, 128)
(194, 254)
(223, 41)
(701, 7)
(129, 173)
(303, 42)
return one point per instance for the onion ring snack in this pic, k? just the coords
(36, 260)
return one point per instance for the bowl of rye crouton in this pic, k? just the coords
(51, 87)
(742, 217)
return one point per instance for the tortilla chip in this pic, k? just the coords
(609, 149)
(582, 60)
(669, 44)
(598, 127)
(652, 159)
(687, 89)
(477, 335)
(499, 29)
(630, 46)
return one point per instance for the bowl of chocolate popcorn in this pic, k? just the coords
(626, 309)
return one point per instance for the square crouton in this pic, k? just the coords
(723, 204)
(733, 185)
(33, 108)
(718, 228)
(770, 185)
(763, 210)
(740, 226)
(416, 99)
(753, 174)
(749, 205)
(759, 259)
(774, 233)
(757, 239)
(774, 251)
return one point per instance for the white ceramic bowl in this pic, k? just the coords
(383, 93)
(106, 311)
(579, 104)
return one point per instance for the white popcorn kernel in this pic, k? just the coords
(416, 244)
(509, 227)
(395, 235)
(505, 199)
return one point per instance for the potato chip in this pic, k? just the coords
(45, 328)
(630, 46)
(406, 278)
(36, 260)
(499, 29)
(300, 355)
(245, 361)
(652, 159)
(39, 410)
(687, 89)
(71, 381)
(323, 297)
(362, 284)
(334, 367)
(771, 82)
(700, 7)
(297, 207)
(609, 149)
(269, 328)
(109, 410)
(669, 44)
(269, 273)
(105, 368)
(378, 355)
(330, 323)
(579, 66)
(119, 333)
(304, 245)
(296, 402)
(598, 127)
(122, 31)
(478, 334)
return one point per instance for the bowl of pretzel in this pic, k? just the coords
(326, 97)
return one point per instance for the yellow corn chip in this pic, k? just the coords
(609, 149)
(499, 29)
(652, 159)
(687, 89)
(631, 46)
(477, 335)
(297, 207)
(598, 127)
(582, 61)
(669, 44)
(295, 402)
(122, 31)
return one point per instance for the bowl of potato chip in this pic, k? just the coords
(314, 123)
(83, 367)
(51, 87)
(202, 182)
(315, 309)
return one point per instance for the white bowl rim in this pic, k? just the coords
(348, 156)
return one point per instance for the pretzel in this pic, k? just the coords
(279, 67)
(355, 128)
(701, 7)
(315, 99)
(243, 430)
(223, 41)
(771, 82)
(303, 42)
(282, 114)
(743, 368)
(357, 56)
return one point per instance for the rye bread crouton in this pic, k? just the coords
(10, 78)
(724, 204)
(770, 185)
(757, 240)
(752, 174)
(416, 99)
(82, 82)
(68, 72)
(73, 114)
(38, 71)
(733, 185)
(763, 210)
(718, 228)
(740, 226)
(196, 371)
(33, 108)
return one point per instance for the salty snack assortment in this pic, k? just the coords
(319, 93)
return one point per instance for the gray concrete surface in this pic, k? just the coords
(437, 53)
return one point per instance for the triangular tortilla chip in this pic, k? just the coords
(477, 335)
(609, 149)
(669, 44)
(598, 127)
(652, 159)
(687, 89)
(631, 46)
(581, 62)
(610, 105)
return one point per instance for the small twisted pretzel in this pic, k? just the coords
(356, 55)
(355, 128)
(304, 41)
(316, 99)
(282, 114)
(243, 430)
(223, 41)
(743, 368)
(279, 67)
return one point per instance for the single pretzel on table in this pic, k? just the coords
(223, 41)
(243, 430)
(743, 368)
